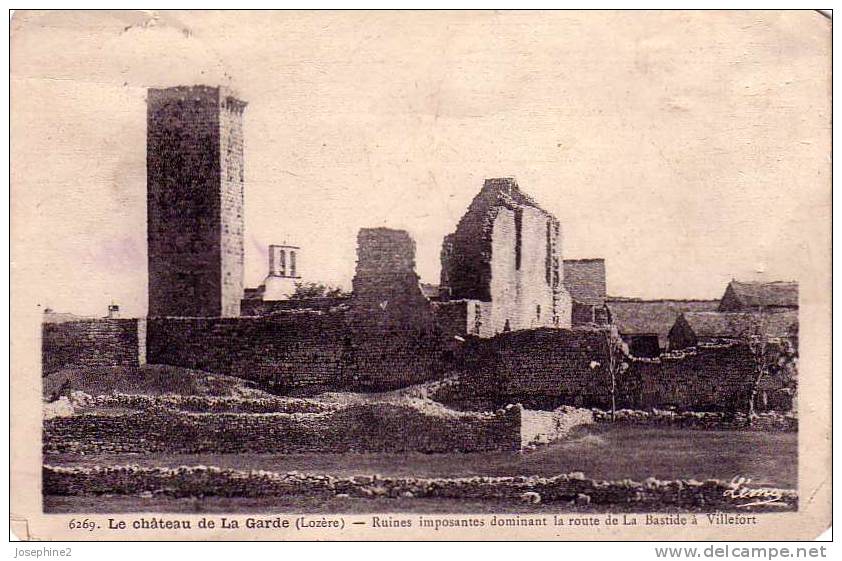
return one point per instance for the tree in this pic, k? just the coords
(776, 358)
(617, 365)
(304, 290)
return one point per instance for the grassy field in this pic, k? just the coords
(302, 504)
(599, 451)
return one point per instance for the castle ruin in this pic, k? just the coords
(503, 260)
(194, 173)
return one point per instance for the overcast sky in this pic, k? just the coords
(685, 148)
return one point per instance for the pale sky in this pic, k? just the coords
(686, 148)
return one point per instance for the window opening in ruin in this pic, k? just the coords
(282, 262)
(507, 327)
(292, 263)
(518, 237)
(538, 312)
(477, 318)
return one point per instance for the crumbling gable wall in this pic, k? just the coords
(506, 251)
(386, 290)
(395, 340)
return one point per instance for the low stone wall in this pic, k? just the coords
(281, 352)
(543, 427)
(712, 378)
(546, 368)
(91, 343)
(574, 488)
(382, 427)
(768, 421)
(540, 368)
(301, 352)
(206, 404)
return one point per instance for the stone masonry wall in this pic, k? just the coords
(386, 291)
(546, 368)
(101, 342)
(572, 489)
(506, 251)
(382, 427)
(232, 179)
(716, 378)
(301, 352)
(281, 352)
(194, 163)
(543, 427)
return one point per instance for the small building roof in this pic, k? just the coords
(63, 317)
(765, 294)
(733, 325)
(633, 316)
(584, 279)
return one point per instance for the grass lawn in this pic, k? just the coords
(303, 504)
(600, 451)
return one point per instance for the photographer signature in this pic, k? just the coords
(755, 495)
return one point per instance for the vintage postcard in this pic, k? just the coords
(430, 275)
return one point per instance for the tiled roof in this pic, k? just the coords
(765, 294)
(63, 317)
(584, 279)
(731, 325)
(640, 317)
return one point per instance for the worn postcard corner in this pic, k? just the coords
(381, 275)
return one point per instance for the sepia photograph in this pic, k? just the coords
(420, 274)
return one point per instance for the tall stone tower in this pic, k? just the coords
(194, 178)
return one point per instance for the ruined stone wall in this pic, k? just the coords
(301, 352)
(386, 291)
(90, 343)
(367, 427)
(281, 352)
(506, 251)
(542, 369)
(716, 378)
(546, 368)
(522, 292)
(453, 317)
(194, 168)
(543, 427)
(564, 490)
